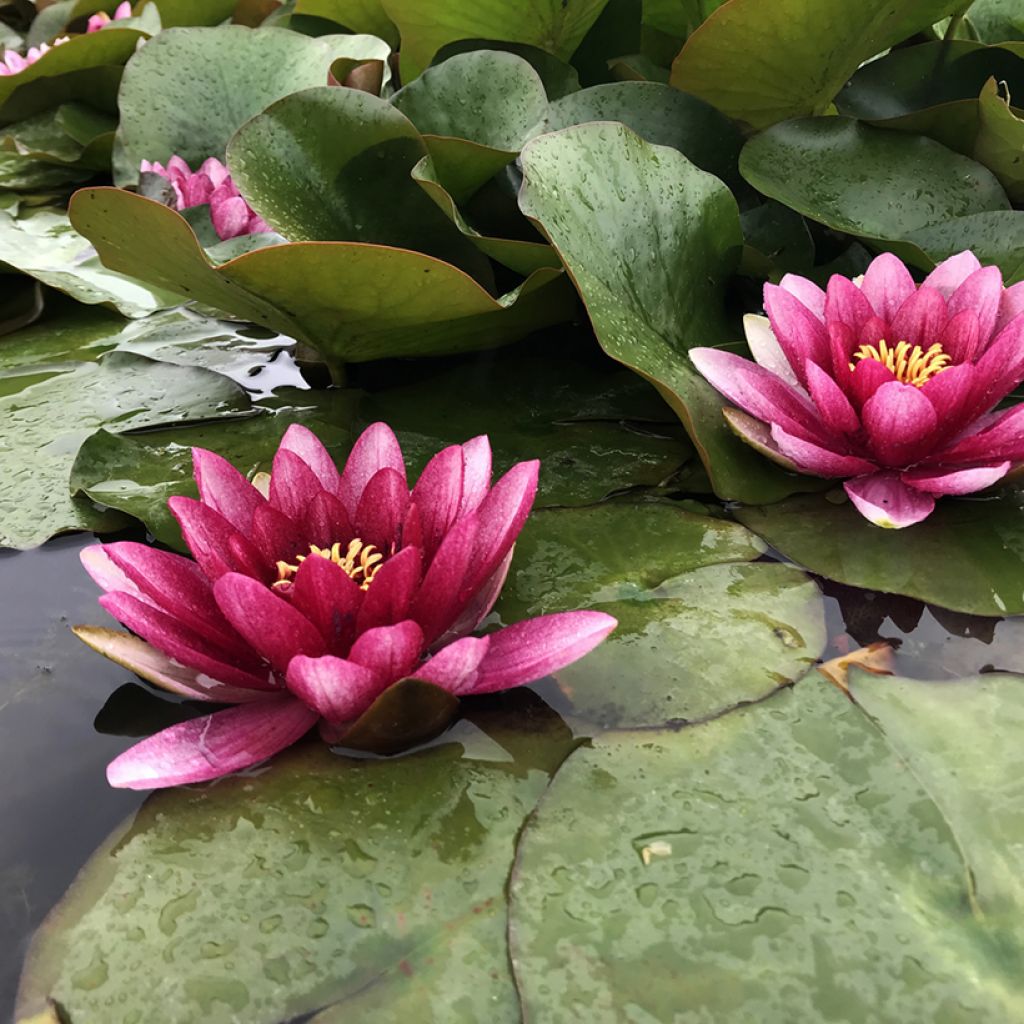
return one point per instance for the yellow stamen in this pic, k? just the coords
(911, 365)
(361, 562)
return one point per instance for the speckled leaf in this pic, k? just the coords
(43, 244)
(968, 555)
(355, 15)
(650, 240)
(766, 62)
(866, 181)
(426, 25)
(330, 164)
(352, 302)
(698, 633)
(364, 868)
(1000, 142)
(775, 864)
(46, 417)
(934, 727)
(996, 20)
(72, 134)
(996, 237)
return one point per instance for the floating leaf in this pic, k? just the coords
(968, 555)
(996, 237)
(70, 134)
(728, 839)
(997, 20)
(595, 190)
(697, 632)
(356, 15)
(765, 62)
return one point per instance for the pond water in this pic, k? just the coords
(62, 712)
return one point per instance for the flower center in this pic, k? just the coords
(361, 562)
(910, 364)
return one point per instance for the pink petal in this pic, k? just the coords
(273, 628)
(951, 273)
(455, 667)
(308, 447)
(530, 650)
(212, 746)
(230, 217)
(900, 424)
(325, 594)
(105, 574)
(833, 405)
(885, 500)
(476, 474)
(921, 319)
(846, 303)
(887, 285)
(389, 597)
(134, 654)
(225, 490)
(278, 538)
(215, 544)
(438, 495)
(800, 333)
(177, 168)
(327, 521)
(214, 170)
(872, 331)
(382, 509)
(337, 689)
(377, 448)
(765, 348)
(813, 459)
(956, 481)
(1001, 368)
(390, 652)
(759, 392)
(806, 291)
(950, 394)
(980, 293)
(293, 485)
(439, 600)
(480, 605)
(1011, 305)
(961, 337)
(867, 377)
(758, 435)
(1002, 439)
(186, 646)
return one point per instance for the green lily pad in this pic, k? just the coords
(349, 301)
(475, 111)
(650, 240)
(356, 15)
(863, 180)
(968, 555)
(997, 20)
(48, 415)
(933, 728)
(996, 237)
(427, 25)
(766, 62)
(43, 244)
(330, 164)
(559, 77)
(776, 864)
(1000, 139)
(364, 868)
(20, 173)
(698, 633)
(72, 134)
(193, 88)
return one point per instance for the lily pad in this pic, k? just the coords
(650, 240)
(193, 88)
(356, 15)
(352, 302)
(698, 633)
(363, 868)
(996, 237)
(330, 164)
(559, 77)
(967, 556)
(765, 62)
(72, 134)
(427, 25)
(21, 173)
(997, 20)
(43, 244)
(775, 864)
(47, 416)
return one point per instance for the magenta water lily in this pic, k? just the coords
(304, 603)
(884, 383)
(11, 62)
(101, 19)
(231, 214)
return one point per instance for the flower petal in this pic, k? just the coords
(382, 509)
(480, 605)
(818, 461)
(278, 537)
(956, 481)
(209, 537)
(887, 285)
(377, 448)
(225, 490)
(846, 303)
(921, 319)
(293, 485)
(833, 405)
(438, 602)
(389, 598)
(806, 291)
(1001, 367)
(800, 333)
(438, 495)
(951, 273)
(455, 667)
(980, 293)
(390, 652)
(275, 629)
(961, 337)
(336, 689)
(230, 214)
(1011, 305)
(1002, 439)
(327, 521)
(476, 473)
(900, 424)
(303, 442)
(105, 574)
(765, 348)
(330, 599)
(758, 435)
(214, 745)
(886, 501)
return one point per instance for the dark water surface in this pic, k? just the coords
(58, 723)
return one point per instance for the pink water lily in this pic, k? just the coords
(231, 214)
(102, 19)
(884, 383)
(12, 62)
(312, 593)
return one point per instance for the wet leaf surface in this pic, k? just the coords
(775, 864)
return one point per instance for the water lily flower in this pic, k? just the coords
(101, 18)
(884, 383)
(231, 214)
(12, 62)
(311, 594)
